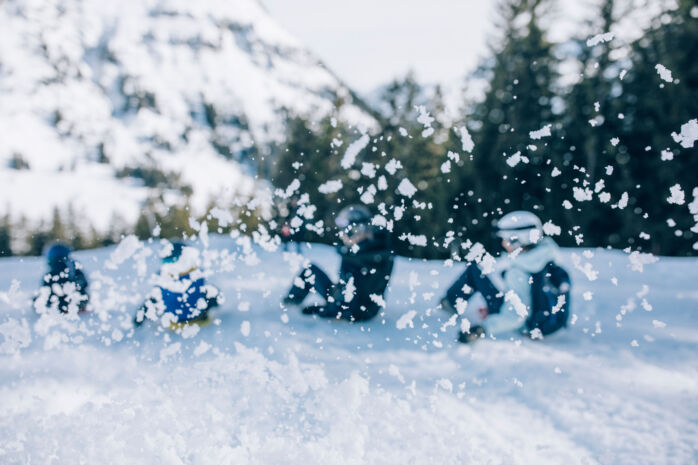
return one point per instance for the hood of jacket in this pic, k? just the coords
(532, 261)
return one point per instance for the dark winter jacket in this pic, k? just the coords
(63, 287)
(370, 267)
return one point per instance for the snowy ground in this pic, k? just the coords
(265, 385)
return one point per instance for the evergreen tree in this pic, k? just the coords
(38, 240)
(57, 232)
(653, 109)
(585, 147)
(312, 156)
(611, 135)
(74, 233)
(174, 223)
(519, 99)
(5, 237)
(414, 134)
(397, 102)
(143, 230)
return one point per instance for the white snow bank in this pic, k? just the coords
(269, 385)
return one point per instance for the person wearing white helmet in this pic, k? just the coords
(527, 291)
(519, 229)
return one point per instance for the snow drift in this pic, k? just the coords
(264, 384)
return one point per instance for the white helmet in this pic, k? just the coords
(520, 228)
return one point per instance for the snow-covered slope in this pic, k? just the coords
(92, 91)
(265, 385)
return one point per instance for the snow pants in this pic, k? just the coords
(475, 281)
(314, 278)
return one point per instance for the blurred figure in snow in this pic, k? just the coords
(181, 295)
(526, 292)
(64, 286)
(364, 272)
(288, 233)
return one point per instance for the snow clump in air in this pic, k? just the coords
(540, 133)
(392, 166)
(330, 187)
(406, 188)
(599, 38)
(426, 119)
(419, 240)
(466, 139)
(664, 73)
(551, 229)
(126, 248)
(677, 195)
(639, 259)
(516, 158)
(353, 150)
(406, 320)
(688, 135)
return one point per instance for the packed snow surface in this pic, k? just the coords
(264, 384)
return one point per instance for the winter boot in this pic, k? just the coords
(446, 305)
(476, 332)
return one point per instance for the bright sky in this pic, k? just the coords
(369, 42)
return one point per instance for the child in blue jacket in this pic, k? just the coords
(181, 295)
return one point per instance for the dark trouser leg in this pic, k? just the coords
(363, 312)
(359, 308)
(477, 282)
(335, 309)
(313, 278)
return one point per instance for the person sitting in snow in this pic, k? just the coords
(181, 295)
(64, 286)
(364, 272)
(527, 291)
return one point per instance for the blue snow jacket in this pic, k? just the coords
(186, 297)
(189, 304)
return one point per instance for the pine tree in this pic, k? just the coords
(654, 109)
(38, 240)
(397, 102)
(174, 224)
(419, 147)
(142, 229)
(521, 75)
(57, 231)
(585, 147)
(5, 236)
(312, 156)
(73, 232)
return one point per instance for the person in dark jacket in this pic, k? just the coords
(64, 286)
(181, 295)
(364, 272)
